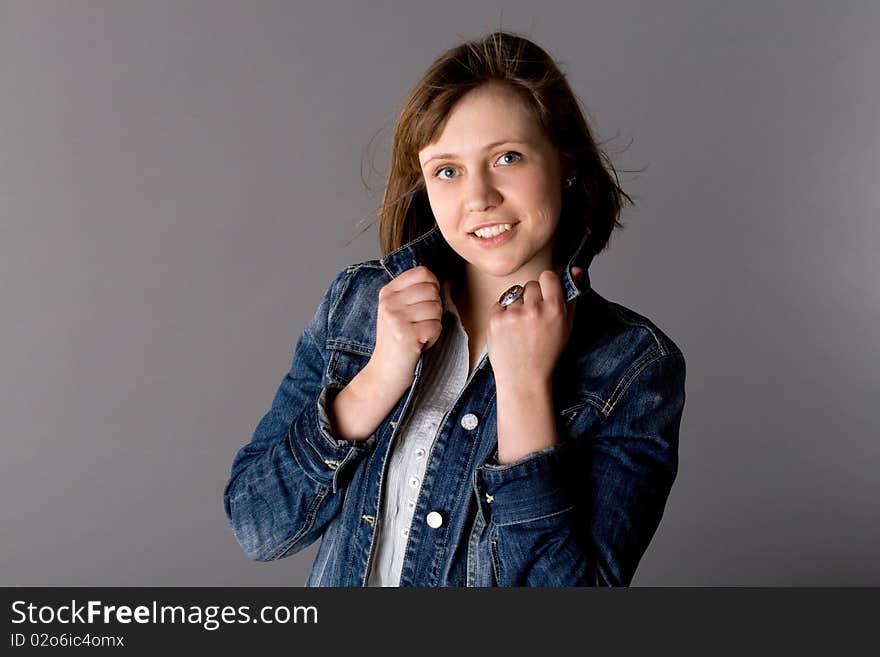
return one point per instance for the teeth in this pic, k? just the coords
(492, 231)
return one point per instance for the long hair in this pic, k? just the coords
(591, 206)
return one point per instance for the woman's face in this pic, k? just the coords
(493, 165)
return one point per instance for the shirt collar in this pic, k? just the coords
(432, 251)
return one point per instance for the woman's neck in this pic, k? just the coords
(474, 292)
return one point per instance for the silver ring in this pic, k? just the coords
(511, 295)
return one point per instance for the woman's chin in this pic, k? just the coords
(496, 269)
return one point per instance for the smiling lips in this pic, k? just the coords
(494, 235)
(490, 224)
(492, 231)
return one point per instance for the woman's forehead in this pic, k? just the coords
(484, 119)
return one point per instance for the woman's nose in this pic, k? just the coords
(481, 194)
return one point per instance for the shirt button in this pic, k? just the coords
(469, 421)
(404, 532)
(420, 453)
(411, 504)
(413, 482)
(434, 520)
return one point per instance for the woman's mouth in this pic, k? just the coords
(493, 236)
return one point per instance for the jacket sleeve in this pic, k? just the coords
(284, 485)
(582, 512)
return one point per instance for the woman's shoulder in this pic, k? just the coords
(357, 276)
(611, 345)
(609, 326)
(366, 266)
(653, 334)
(354, 291)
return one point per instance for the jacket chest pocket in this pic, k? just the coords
(569, 405)
(576, 414)
(346, 360)
(568, 415)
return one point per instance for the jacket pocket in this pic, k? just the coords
(577, 412)
(568, 415)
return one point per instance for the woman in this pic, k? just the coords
(466, 410)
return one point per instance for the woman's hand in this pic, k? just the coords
(526, 339)
(409, 320)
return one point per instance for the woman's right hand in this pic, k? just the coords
(409, 320)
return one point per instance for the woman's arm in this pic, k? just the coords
(583, 512)
(357, 411)
(284, 485)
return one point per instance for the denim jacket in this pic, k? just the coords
(578, 513)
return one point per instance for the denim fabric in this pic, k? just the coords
(445, 370)
(579, 513)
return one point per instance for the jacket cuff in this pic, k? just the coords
(327, 460)
(525, 490)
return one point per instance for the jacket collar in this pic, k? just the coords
(432, 251)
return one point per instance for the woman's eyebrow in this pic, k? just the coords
(487, 147)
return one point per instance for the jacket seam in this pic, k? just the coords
(330, 547)
(631, 373)
(493, 553)
(365, 264)
(473, 556)
(535, 518)
(343, 286)
(643, 363)
(587, 399)
(631, 320)
(625, 315)
(347, 347)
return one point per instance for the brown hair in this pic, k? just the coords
(591, 206)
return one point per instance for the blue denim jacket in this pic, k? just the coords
(581, 512)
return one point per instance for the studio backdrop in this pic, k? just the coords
(180, 182)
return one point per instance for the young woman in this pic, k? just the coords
(466, 410)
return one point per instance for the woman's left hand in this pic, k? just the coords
(526, 339)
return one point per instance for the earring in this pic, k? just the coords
(570, 181)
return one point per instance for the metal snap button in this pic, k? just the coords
(434, 519)
(470, 421)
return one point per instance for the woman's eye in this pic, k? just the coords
(437, 174)
(514, 153)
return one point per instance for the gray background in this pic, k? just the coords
(178, 182)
